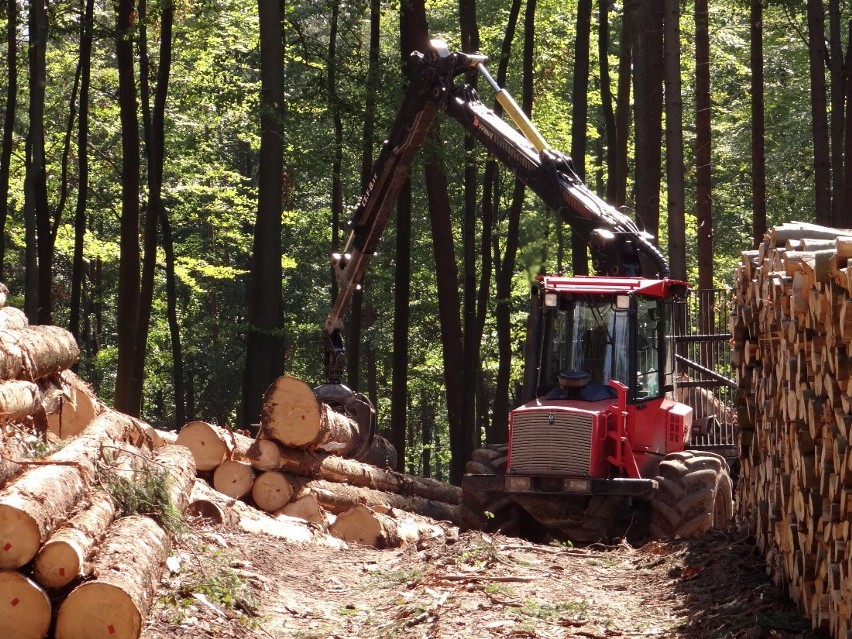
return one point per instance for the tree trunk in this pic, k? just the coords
(846, 213)
(610, 129)
(579, 121)
(703, 159)
(36, 503)
(817, 55)
(838, 88)
(18, 400)
(623, 109)
(211, 445)
(355, 473)
(25, 610)
(36, 351)
(648, 83)
(337, 498)
(128, 566)
(10, 108)
(62, 557)
(76, 407)
(369, 527)
(264, 345)
(674, 142)
(758, 128)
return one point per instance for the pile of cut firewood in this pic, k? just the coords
(297, 468)
(792, 340)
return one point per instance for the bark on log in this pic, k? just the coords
(70, 403)
(234, 478)
(355, 473)
(12, 318)
(211, 445)
(19, 399)
(62, 558)
(255, 521)
(179, 463)
(37, 502)
(126, 570)
(34, 352)
(292, 416)
(389, 529)
(381, 454)
(25, 609)
(13, 450)
(4, 294)
(337, 498)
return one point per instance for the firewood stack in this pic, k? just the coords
(792, 340)
(297, 468)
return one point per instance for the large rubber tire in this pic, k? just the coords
(695, 495)
(490, 511)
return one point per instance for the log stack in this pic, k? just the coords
(792, 341)
(297, 466)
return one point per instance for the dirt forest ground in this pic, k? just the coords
(224, 583)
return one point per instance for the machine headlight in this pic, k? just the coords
(576, 485)
(517, 484)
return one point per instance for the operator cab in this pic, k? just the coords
(589, 331)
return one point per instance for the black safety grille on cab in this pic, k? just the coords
(551, 442)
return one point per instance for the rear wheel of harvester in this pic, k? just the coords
(695, 495)
(490, 511)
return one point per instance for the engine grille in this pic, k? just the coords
(551, 442)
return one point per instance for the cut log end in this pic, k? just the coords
(20, 537)
(98, 611)
(207, 447)
(58, 564)
(25, 610)
(291, 412)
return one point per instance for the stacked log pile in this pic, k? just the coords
(296, 467)
(792, 340)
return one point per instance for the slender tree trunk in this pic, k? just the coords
(10, 110)
(414, 36)
(471, 286)
(674, 142)
(817, 55)
(648, 87)
(838, 87)
(580, 120)
(449, 303)
(129, 266)
(171, 316)
(264, 344)
(623, 107)
(491, 205)
(703, 176)
(610, 129)
(758, 141)
(504, 266)
(77, 270)
(846, 214)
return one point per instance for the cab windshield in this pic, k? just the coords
(593, 334)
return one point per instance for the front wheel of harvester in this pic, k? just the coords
(695, 495)
(490, 511)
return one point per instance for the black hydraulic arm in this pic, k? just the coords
(614, 240)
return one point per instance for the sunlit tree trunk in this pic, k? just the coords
(9, 113)
(846, 213)
(838, 87)
(610, 129)
(580, 120)
(77, 270)
(674, 142)
(129, 266)
(623, 106)
(703, 176)
(758, 142)
(264, 345)
(817, 55)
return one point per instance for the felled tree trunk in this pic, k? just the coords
(24, 607)
(37, 502)
(234, 478)
(61, 559)
(72, 405)
(12, 318)
(179, 463)
(127, 569)
(34, 352)
(389, 529)
(271, 491)
(305, 507)
(355, 473)
(255, 521)
(337, 498)
(19, 399)
(12, 450)
(381, 453)
(294, 417)
(211, 445)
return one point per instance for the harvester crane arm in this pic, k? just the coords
(614, 240)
